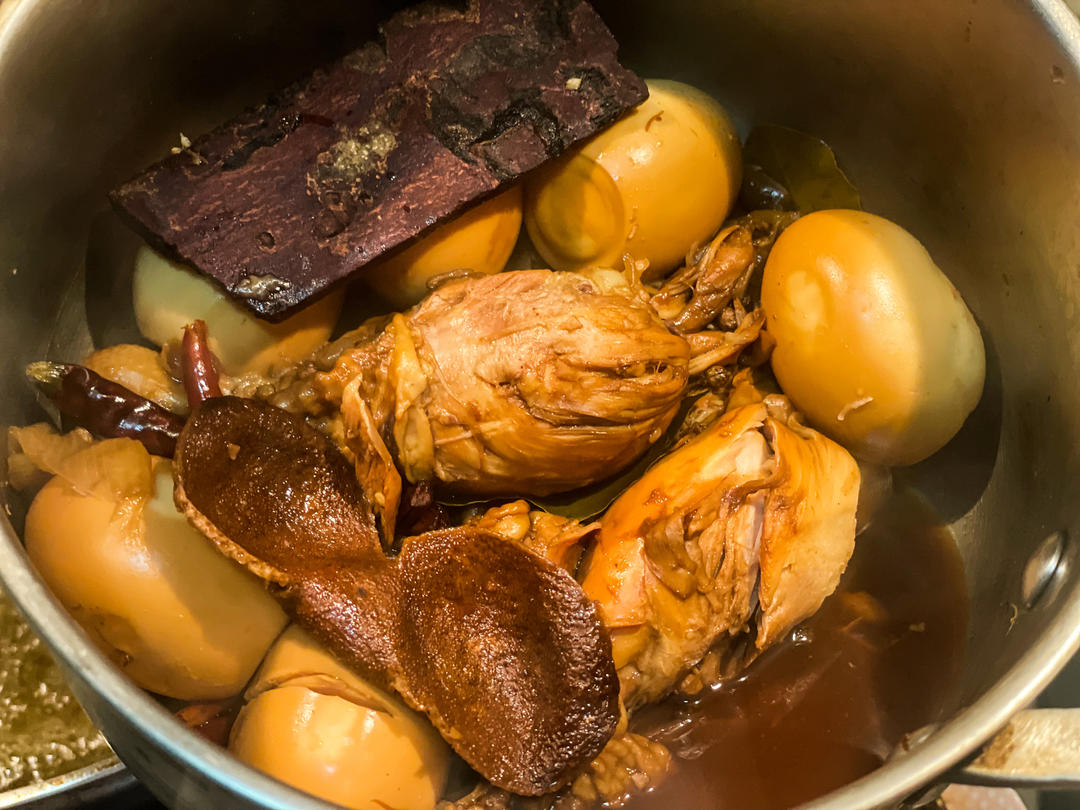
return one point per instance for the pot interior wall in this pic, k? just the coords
(957, 120)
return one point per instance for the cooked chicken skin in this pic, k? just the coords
(554, 537)
(529, 382)
(809, 530)
(754, 517)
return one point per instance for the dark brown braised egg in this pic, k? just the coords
(551, 539)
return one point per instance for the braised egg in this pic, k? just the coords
(873, 342)
(169, 295)
(652, 185)
(313, 723)
(479, 240)
(153, 593)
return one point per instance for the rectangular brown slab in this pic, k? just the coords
(284, 201)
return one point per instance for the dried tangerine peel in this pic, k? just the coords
(277, 496)
(503, 647)
(499, 647)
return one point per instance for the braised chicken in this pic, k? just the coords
(533, 382)
(744, 529)
(528, 382)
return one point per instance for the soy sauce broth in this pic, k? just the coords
(881, 658)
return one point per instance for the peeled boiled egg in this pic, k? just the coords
(154, 594)
(169, 295)
(313, 723)
(480, 240)
(873, 343)
(655, 183)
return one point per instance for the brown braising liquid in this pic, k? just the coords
(881, 658)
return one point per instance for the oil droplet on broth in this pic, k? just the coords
(881, 658)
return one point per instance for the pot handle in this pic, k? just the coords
(1039, 748)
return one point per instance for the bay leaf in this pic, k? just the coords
(804, 165)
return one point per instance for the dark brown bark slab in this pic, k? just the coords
(282, 202)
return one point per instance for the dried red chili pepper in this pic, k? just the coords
(199, 365)
(106, 408)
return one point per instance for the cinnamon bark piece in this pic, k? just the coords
(284, 201)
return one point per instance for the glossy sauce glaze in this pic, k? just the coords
(881, 658)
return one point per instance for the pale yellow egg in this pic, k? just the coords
(316, 725)
(169, 295)
(873, 342)
(480, 240)
(155, 595)
(658, 181)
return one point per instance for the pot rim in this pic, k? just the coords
(889, 784)
(97, 780)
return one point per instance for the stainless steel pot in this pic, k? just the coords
(960, 120)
